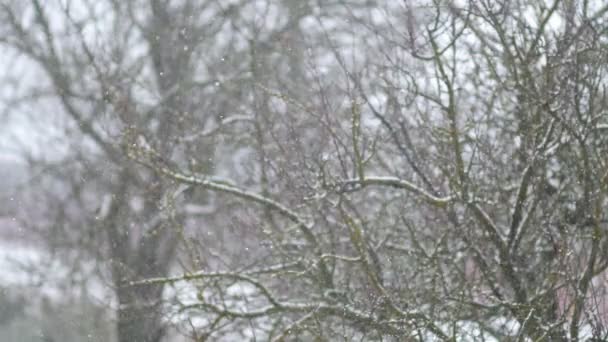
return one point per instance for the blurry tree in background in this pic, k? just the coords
(108, 67)
(321, 170)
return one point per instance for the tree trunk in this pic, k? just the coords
(139, 315)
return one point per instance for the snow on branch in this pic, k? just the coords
(398, 184)
(145, 155)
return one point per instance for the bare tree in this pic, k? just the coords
(94, 200)
(335, 169)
